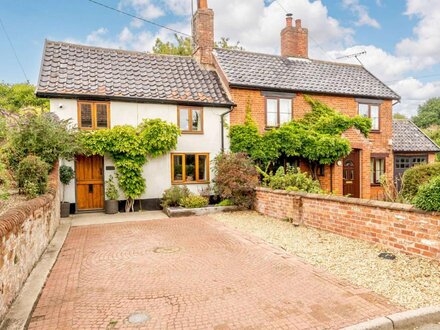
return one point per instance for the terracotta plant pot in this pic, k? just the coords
(65, 209)
(111, 207)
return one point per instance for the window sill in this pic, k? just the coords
(375, 184)
(375, 131)
(175, 183)
(192, 132)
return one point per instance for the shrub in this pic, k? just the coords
(236, 178)
(417, 176)
(5, 181)
(174, 195)
(32, 176)
(226, 202)
(111, 190)
(291, 180)
(194, 201)
(428, 196)
(43, 136)
(66, 175)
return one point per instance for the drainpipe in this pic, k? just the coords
(222, 123)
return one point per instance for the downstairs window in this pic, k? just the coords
(190, 168)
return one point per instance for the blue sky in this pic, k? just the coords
(393, 32)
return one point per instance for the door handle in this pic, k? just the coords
(90, 188)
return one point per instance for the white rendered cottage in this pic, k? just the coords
(100, 88)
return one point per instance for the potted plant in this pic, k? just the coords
(112, 194)
(66, 175)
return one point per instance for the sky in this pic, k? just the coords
(401, 37)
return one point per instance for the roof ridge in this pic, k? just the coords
(435, 144)
(115, 49)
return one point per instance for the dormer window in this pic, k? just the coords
(93, 115)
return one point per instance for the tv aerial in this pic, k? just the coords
(355, 55)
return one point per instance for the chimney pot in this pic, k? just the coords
(202, 4)
(298, 23)
(289, 20)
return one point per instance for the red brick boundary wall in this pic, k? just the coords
(25, 232)
(397, 226)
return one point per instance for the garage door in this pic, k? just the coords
(402, 163)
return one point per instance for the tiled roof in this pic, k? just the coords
(246, 69)
(408, 137)
(69, 69)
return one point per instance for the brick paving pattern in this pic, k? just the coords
(191, 273)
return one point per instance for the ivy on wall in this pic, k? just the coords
(316, 138)
(130, 148)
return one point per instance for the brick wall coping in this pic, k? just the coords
(14, 217)
(350, 200)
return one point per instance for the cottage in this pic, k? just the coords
(100, 88)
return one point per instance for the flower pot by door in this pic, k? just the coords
(111, 206)
(65, 210)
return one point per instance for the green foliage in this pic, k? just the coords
(434, 134)
(292, 180)
(174, 195)
(66, 174)
(5, 182)
(111, 190)
(226, 202)
(428, 113)
(183, 46)
(399, 116)
(236, 178)
(428, 196)
(417, 176)
(316, 138)
(21, 97)
(194, 201)
(130, 148)
(32, 176)
(3, 129)
(42, 136)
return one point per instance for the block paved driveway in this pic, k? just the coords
(191, 273)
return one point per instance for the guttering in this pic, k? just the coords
(92, 97)
(222, 123)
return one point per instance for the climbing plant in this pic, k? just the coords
(130, 148)
(316, 138)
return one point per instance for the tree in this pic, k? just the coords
(21, 97)
(399, 116)
(428, 113)
(183, 46)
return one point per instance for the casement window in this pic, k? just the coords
(190, 120)
(93, 115)
(189, 168)
(278, 111)
(377, 169)
(370, 111)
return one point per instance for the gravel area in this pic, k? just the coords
(409, 281)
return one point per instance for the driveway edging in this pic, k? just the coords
(404, 320)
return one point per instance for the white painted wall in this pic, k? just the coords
(157, 172)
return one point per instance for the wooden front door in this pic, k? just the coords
(89, 183)
(351, 174)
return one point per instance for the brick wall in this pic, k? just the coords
(25, 232)
(396, 226)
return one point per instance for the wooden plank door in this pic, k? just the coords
(89, 183)
(352, 175)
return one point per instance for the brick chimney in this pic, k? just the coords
(203, 33)
(294, 40)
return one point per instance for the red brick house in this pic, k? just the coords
(275, 85)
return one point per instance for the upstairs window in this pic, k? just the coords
(190, 120)
(93, 115)
(377, 169)
(278, 111)
(370, 111)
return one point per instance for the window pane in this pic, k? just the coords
(285, 110)
(86, 115)
(190, 167)
(178, 167)
(196, 120)
(184, 120)
(372, 171)
(380, 169)
(203, 168)
(363, 110)
(272, 112)
(375, 116)
(101, 116)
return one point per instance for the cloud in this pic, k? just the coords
(362, 13)
(144, 8)
(426, 39)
